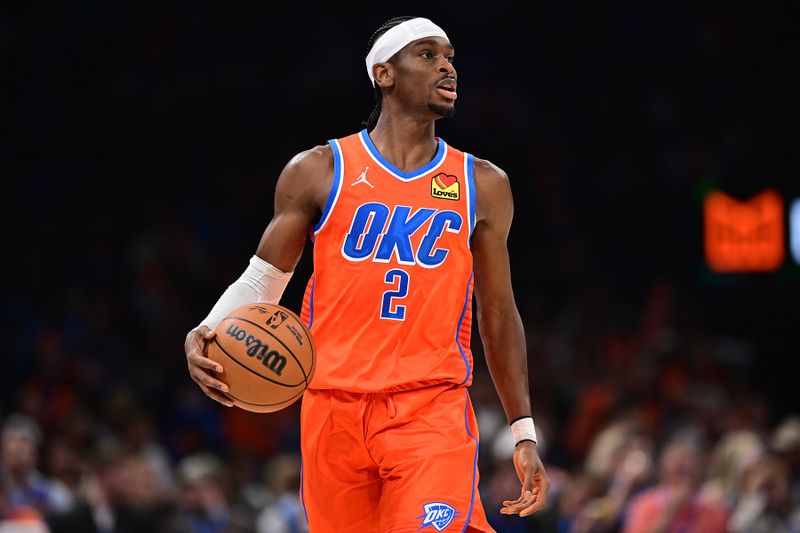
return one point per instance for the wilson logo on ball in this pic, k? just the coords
(257, 348)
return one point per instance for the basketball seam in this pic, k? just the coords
(310, 342)
(293, 398)
(253, 371)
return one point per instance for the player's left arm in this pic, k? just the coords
(501, 328)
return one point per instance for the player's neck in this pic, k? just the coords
(405, 142)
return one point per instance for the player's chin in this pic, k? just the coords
(447, 110)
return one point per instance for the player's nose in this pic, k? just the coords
(445, 66)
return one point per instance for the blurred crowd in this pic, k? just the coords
(632, 478)
(132, 485)
(642, 429)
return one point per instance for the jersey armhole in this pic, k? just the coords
(336, 185)
(469, 172)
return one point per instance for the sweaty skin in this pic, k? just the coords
(404, 134)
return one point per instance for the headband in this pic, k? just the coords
(397, 37)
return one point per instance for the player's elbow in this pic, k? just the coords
(497, 317)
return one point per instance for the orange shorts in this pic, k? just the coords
(391, 462)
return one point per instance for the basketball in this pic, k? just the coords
(267, 355)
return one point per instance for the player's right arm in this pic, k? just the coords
(300, 195)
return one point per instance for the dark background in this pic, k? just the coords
(140, 144)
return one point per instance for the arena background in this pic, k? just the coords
(140, 144)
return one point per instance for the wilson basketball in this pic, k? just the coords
(267, 355)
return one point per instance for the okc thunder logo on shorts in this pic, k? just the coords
(437, 514)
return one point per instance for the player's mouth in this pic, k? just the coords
(447, 89)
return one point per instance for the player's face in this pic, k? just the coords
(427, 77)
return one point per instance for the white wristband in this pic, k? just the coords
(523, 429)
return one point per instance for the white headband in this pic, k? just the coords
(394, 39)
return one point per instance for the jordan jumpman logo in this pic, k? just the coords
(362, 178)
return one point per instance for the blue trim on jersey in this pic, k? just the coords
(311, 304)
(471, 196)
(474, 464)
(400, 174)
(302, 495)
(458, 332)
(335, 186)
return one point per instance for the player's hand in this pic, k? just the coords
(535, 482)
(201, 367)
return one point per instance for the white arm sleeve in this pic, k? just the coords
(260, 282)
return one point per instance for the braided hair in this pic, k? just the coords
(376, 111)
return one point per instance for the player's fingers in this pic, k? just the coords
(520, 503)
(513, 502)
(532, 498)
(204, 379)
(528, 497)
(216, 396)
(537, 505)
(515, 506)
(528, 493)
(204, 362)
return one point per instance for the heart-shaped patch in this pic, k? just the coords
(445, 180)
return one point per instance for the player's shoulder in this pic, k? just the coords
(309, 175)
(492, 190)
(488, 175)
(313, 159)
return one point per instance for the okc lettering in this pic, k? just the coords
(271, 359)
(436, 514)
(377, 235)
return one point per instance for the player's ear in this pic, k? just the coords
(384, 74)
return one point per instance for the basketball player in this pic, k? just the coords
(404, 226)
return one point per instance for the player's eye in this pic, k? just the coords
(426, 54)
(451, 59)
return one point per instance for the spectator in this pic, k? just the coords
(64, 462)
(674, 505)
(733, 454)
(120, 495)
(203, 504)
(285, 514)
(621, 459)
(579, 491)
(20, 519)
(785, 442)
(22, 483)
(247, 486)
(140, 436)
(765, 505)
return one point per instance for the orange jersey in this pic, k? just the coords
(390, 300)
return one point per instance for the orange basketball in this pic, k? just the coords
(267, 355)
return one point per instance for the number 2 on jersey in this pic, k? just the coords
(389, 308)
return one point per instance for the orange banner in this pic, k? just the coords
(744, 236)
